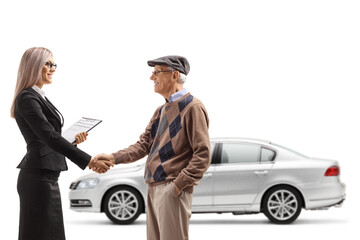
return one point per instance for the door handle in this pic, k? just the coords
(261, 172)
(207, 175)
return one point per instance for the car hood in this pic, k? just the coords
(118, 169)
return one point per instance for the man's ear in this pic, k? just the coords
(176, 75)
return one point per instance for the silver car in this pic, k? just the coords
(246, 176)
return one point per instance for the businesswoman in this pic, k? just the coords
(40, 124)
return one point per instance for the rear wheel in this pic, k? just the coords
(282, 205)
(123, 205)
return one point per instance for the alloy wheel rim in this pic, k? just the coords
(123, 205)
(282, 205)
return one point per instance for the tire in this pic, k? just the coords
(123, 205)
(282, 204)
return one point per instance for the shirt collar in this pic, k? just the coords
(176, 96)
(39, 91)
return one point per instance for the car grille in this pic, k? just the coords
(73, 185)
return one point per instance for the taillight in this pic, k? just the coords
(332, 171)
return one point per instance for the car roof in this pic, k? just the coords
(256, 141)
(238, 139)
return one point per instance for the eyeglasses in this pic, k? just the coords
(50, 65)
(156, 72)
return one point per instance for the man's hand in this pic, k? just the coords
(101, 163)
(178, 191)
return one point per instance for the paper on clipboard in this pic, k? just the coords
(83, 125)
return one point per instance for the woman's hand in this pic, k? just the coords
(80, 137)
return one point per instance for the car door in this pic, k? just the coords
(240, 174)
(203, 193)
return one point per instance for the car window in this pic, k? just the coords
(239, 153)
(290, 150)
(267, 155)
(212, 146)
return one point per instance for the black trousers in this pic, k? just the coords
(40, 205)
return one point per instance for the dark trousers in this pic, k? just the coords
(40, 205)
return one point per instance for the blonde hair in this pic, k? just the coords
(30, 70)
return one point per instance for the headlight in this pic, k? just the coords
(87, 183)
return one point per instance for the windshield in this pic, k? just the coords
(290, 150)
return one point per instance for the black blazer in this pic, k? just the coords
(40, 125)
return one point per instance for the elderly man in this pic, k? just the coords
(177, 143)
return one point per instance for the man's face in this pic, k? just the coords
(163, 80)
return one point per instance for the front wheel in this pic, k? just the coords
(282, 205)
(123, 205)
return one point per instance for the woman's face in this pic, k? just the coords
(48, 71)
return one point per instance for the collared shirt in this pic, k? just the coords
(42, 93)
(178, 95)
(39, 91)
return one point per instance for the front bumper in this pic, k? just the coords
(85, 200)
(80, 203)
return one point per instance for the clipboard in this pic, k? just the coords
(83, 125)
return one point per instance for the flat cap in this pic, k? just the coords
(176, 62)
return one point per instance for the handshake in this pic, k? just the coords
(101, 163)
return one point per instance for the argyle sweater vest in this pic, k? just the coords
(177, 144)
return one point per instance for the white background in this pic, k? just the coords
(284, 71)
